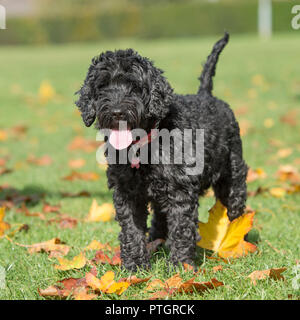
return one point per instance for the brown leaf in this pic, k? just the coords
(288, 173)
(134, 280)
(263, 274)
(48, 246)
(189, 286)
(3, 225)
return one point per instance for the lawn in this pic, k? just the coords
(259, 79)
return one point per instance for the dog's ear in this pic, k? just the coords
(85, 103)
(161, 95)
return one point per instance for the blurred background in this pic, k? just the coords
(46, 21)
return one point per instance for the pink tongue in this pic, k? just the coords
(120, 139)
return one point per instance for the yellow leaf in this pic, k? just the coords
(106, 283)
(77, 262)
(3, 225)
(277, 192)
(225, 237)
(46, 92)
(96, 245)
(103, 213)
(3, 135)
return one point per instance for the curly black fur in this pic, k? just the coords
(122, 85)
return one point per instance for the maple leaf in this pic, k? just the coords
(134, 280)
(106, 283)
(77, 262)
(3, 225)
(274, 273)
(225, 237)
(104, 212)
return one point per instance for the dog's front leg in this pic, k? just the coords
(182, 219)
(131, 213)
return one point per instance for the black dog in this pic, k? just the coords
(123, 86)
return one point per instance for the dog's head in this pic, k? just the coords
(123, 86)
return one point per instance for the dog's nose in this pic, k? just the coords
(117, 113)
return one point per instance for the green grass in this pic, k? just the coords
(52, 127)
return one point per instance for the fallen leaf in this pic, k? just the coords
(225, 237)
(101, 257)
(284, 153)
(106, 283)
(277, 192)
(217, 268)
(65, 222)
(104, 212)
(3, 135)
(47, 208)
(96, 245)
(253, 175)
(3, 225)
(50, 246)
(82, 144)
(191, 286)
(46, 92)
(77, 262)
(134, 280)
(42, 161)
(76, 163)
(288, 173)
(87, 176)
(263, 274)
(290, 117)
(75, 195)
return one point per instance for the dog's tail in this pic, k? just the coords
(209, 68)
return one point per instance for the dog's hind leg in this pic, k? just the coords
(231, 188)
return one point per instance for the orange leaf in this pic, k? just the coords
(96, 245)
(76, 163)
(87, 176)
(263, 274)
(134, 280)
(104, 212)
(77, 262)
(225, 237)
